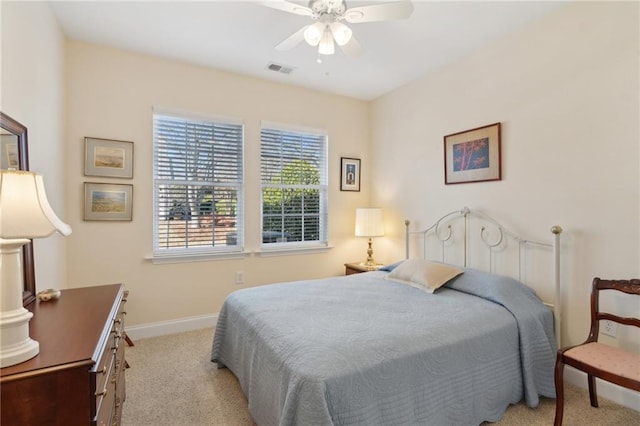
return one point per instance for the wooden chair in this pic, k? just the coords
(605, 362)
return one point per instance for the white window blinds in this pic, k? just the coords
(294, 186)
(198, 185)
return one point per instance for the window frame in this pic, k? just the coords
(198, 253)
(294, 247)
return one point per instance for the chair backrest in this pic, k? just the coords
(625, 286)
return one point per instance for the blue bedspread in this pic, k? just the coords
(363, 350)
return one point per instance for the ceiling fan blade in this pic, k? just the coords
(293, 40)
(288, 6)
(352, 48)
(379, 12)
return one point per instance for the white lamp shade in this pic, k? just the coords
(326, 43)
(24, 209)
(313, 33)
(369, 222)
(341, 33)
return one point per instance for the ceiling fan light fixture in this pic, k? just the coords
(326, 46)
(313, 34)
(341, 33)
(328, 30)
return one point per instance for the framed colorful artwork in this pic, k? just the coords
(473, 155)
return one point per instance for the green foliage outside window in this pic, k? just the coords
(289, 207)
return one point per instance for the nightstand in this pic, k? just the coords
(358, 267)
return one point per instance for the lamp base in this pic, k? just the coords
(370, 262)
(17, 346)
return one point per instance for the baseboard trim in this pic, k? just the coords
(614, 393)
(164, 328)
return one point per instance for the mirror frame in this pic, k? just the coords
(29, 283)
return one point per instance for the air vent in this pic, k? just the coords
(283, 69)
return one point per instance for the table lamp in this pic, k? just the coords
(369, 224)
(25, 213)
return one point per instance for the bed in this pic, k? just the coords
(368, 349)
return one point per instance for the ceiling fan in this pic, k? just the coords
(329, 28)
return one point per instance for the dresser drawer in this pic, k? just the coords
(118, 320)
(120, 394)
(103, 368)
(109, 392)
(105, 396)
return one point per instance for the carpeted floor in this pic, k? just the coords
(172, 382)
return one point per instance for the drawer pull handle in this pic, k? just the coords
(118, 321)
(104, 369)
(103, 393)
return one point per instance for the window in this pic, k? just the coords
(198, 187)
(294, 186)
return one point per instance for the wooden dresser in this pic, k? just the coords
(78, 376)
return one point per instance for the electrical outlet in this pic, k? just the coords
(239, 277)
(610, 328)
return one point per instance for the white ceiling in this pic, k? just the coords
(240, 36)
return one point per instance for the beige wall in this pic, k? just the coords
(567, 94)
(565, 89)
(32, 92)
(111, 94)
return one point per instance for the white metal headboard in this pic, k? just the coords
(493, 237)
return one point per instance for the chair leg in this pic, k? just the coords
(128, 339)
(593, 393)
(558, 379)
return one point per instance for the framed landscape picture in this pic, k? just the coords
(349, 174)
(473, 155)
(105, 201)
(108, 158)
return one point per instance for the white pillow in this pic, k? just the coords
(423, 274)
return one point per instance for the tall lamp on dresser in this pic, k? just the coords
(25, 214)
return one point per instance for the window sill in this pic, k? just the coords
(204, 257)
(284, 251)
(263, 252)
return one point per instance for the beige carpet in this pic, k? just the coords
(172, 382)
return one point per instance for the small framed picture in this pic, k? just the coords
(349, 174)
(108, 158)
(473, 155)
(106, 201)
